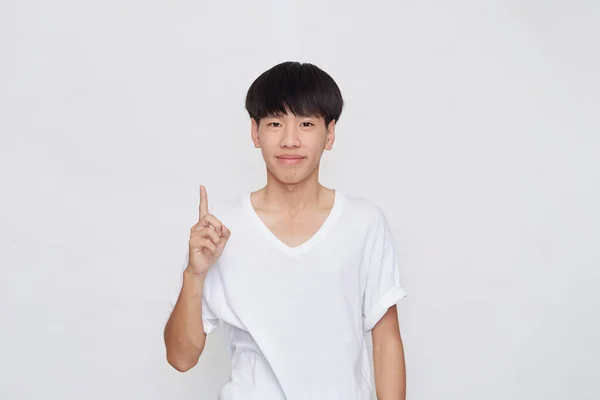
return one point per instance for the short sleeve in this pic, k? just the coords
(210, 321)
(383, 288)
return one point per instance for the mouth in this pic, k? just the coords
(290, 159)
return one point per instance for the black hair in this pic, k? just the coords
(299, 88)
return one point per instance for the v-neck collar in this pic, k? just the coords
(303, 248)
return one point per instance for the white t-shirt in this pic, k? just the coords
(295, 318)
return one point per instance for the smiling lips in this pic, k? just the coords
(290, 159)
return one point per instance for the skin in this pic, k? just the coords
(388, 358)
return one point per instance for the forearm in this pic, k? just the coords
(390, 369)
(184, 332)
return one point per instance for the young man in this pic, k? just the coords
(298, 273)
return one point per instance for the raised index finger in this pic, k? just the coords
(203, 202)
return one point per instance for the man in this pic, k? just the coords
(298, 273)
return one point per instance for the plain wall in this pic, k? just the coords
(473, 124)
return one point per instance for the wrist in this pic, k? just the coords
(189, 273)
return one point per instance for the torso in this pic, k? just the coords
(296, 317)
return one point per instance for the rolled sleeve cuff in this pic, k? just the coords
(392, 297)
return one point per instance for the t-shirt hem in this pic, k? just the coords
(210, 325)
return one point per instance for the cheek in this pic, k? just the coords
(316, 147)
(268, 144)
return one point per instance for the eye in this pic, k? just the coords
(307, 124)
(275, 124)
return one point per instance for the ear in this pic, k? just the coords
(254, 133)
(330, 137)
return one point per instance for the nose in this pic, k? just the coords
(290, 137)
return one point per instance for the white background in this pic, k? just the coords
(473, 124)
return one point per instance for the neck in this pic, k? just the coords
(292, 198)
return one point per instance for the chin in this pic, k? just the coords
(291, 176)
(290, 179)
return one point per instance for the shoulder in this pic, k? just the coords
(364, 209)
(226, 205)
(366, 216)
(229, 209)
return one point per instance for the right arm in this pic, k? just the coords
(184, 333)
